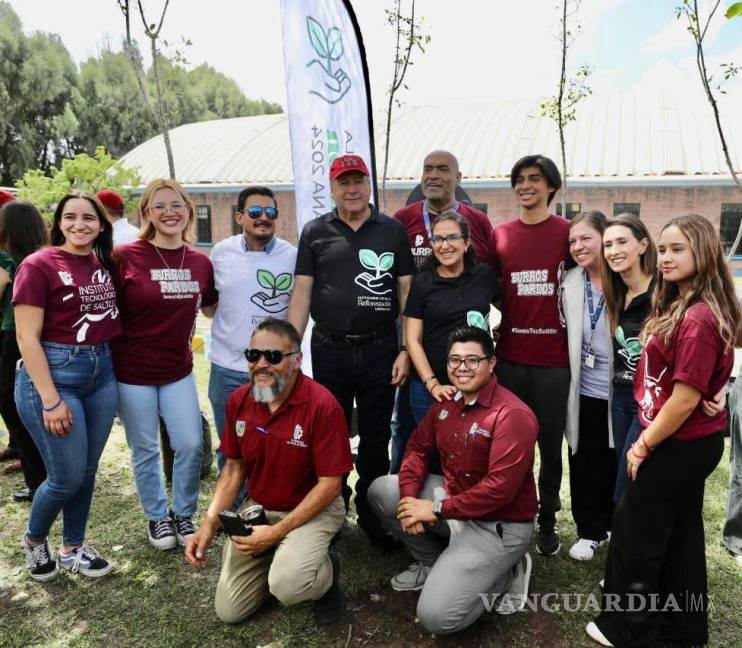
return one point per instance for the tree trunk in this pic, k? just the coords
(164, 125)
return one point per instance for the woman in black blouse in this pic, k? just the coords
(450, 290)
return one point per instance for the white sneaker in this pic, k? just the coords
(584, 549)
(514, 599)
(593, 631)
(411, 579)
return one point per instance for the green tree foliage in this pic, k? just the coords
(101, 171)
(38, 84)
(113, 113)
(50, 111)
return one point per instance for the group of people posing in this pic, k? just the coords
(622, 346)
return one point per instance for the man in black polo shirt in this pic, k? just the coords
(353, 272)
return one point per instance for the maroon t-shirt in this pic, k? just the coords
(160, 292)
(697, 358)
(531, 261)
(286, 452)
(76, 293)
(411, 216)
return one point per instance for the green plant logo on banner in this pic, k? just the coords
(328, 46)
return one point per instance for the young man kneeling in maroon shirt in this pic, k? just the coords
(482, 507)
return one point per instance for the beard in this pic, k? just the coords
(269, 393)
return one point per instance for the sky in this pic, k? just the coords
(480, 50)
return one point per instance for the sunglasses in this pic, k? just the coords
(274, 356)
(257, 212)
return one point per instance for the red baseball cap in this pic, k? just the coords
(346, 164)
(6, 197)
(111, 200)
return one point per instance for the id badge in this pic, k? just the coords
(590, 360)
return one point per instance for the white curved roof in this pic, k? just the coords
(614, 136)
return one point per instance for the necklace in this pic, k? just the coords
(182, 260)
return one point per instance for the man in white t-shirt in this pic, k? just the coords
(254, 274)
(113, 203)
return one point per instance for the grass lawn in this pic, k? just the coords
(154, 599)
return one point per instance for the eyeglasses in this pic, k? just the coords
(160, 208)
(256, 212)
(274, 356)
(438, 240)
(470, 362)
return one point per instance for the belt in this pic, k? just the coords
(350, 338)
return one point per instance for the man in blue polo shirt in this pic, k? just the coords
(353, 273)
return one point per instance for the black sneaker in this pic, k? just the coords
(85, 560)
(24, 495)
(184, 528)
(329, 609)
(162, 534)
(548, 540)
(39, 562)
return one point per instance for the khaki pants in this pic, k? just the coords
(299, 570)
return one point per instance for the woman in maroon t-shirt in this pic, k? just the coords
(65, 391)
(162, 282)
(657, 549)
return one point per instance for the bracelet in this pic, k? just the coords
(644, 443)
(53, 407)
(636, 454)
(403, 347)
(428, 379)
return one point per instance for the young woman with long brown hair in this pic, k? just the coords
(658, 550)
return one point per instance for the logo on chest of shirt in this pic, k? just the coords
(296, 439)
(376, 282)
(652, 393)
(239, 428)
(277, 300)
(97, 301)
(443, 415)
(475, 430)
(66, 277)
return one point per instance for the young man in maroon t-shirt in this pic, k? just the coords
(286, 434)
(531, 254)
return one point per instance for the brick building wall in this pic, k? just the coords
(657, 205)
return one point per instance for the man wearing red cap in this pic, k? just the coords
(353, 272)
(113, 202)
(5, 197)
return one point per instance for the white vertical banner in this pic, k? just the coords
(329, 103)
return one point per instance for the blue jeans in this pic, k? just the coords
(420, 399)
(140, 407)
(403, 424)
(83, 376)
(222, 382)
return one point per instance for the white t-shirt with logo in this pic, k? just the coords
(252, 285)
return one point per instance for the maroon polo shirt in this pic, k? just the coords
(411, 216)
(486, 451)
(285, 453)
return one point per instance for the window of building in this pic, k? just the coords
(572, 209)
(203, 223)
(627, 208)
(731, 217)
(236, 227)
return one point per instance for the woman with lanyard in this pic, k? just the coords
(592, 460)
(656, 581)
(162, 282)
(65, 390)
(451, 289)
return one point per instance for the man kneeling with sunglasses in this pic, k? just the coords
(285, 434)
(469, 529)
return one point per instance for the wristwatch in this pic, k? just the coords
(438, 508)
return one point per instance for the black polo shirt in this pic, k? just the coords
(355, 272)
(443, 303)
